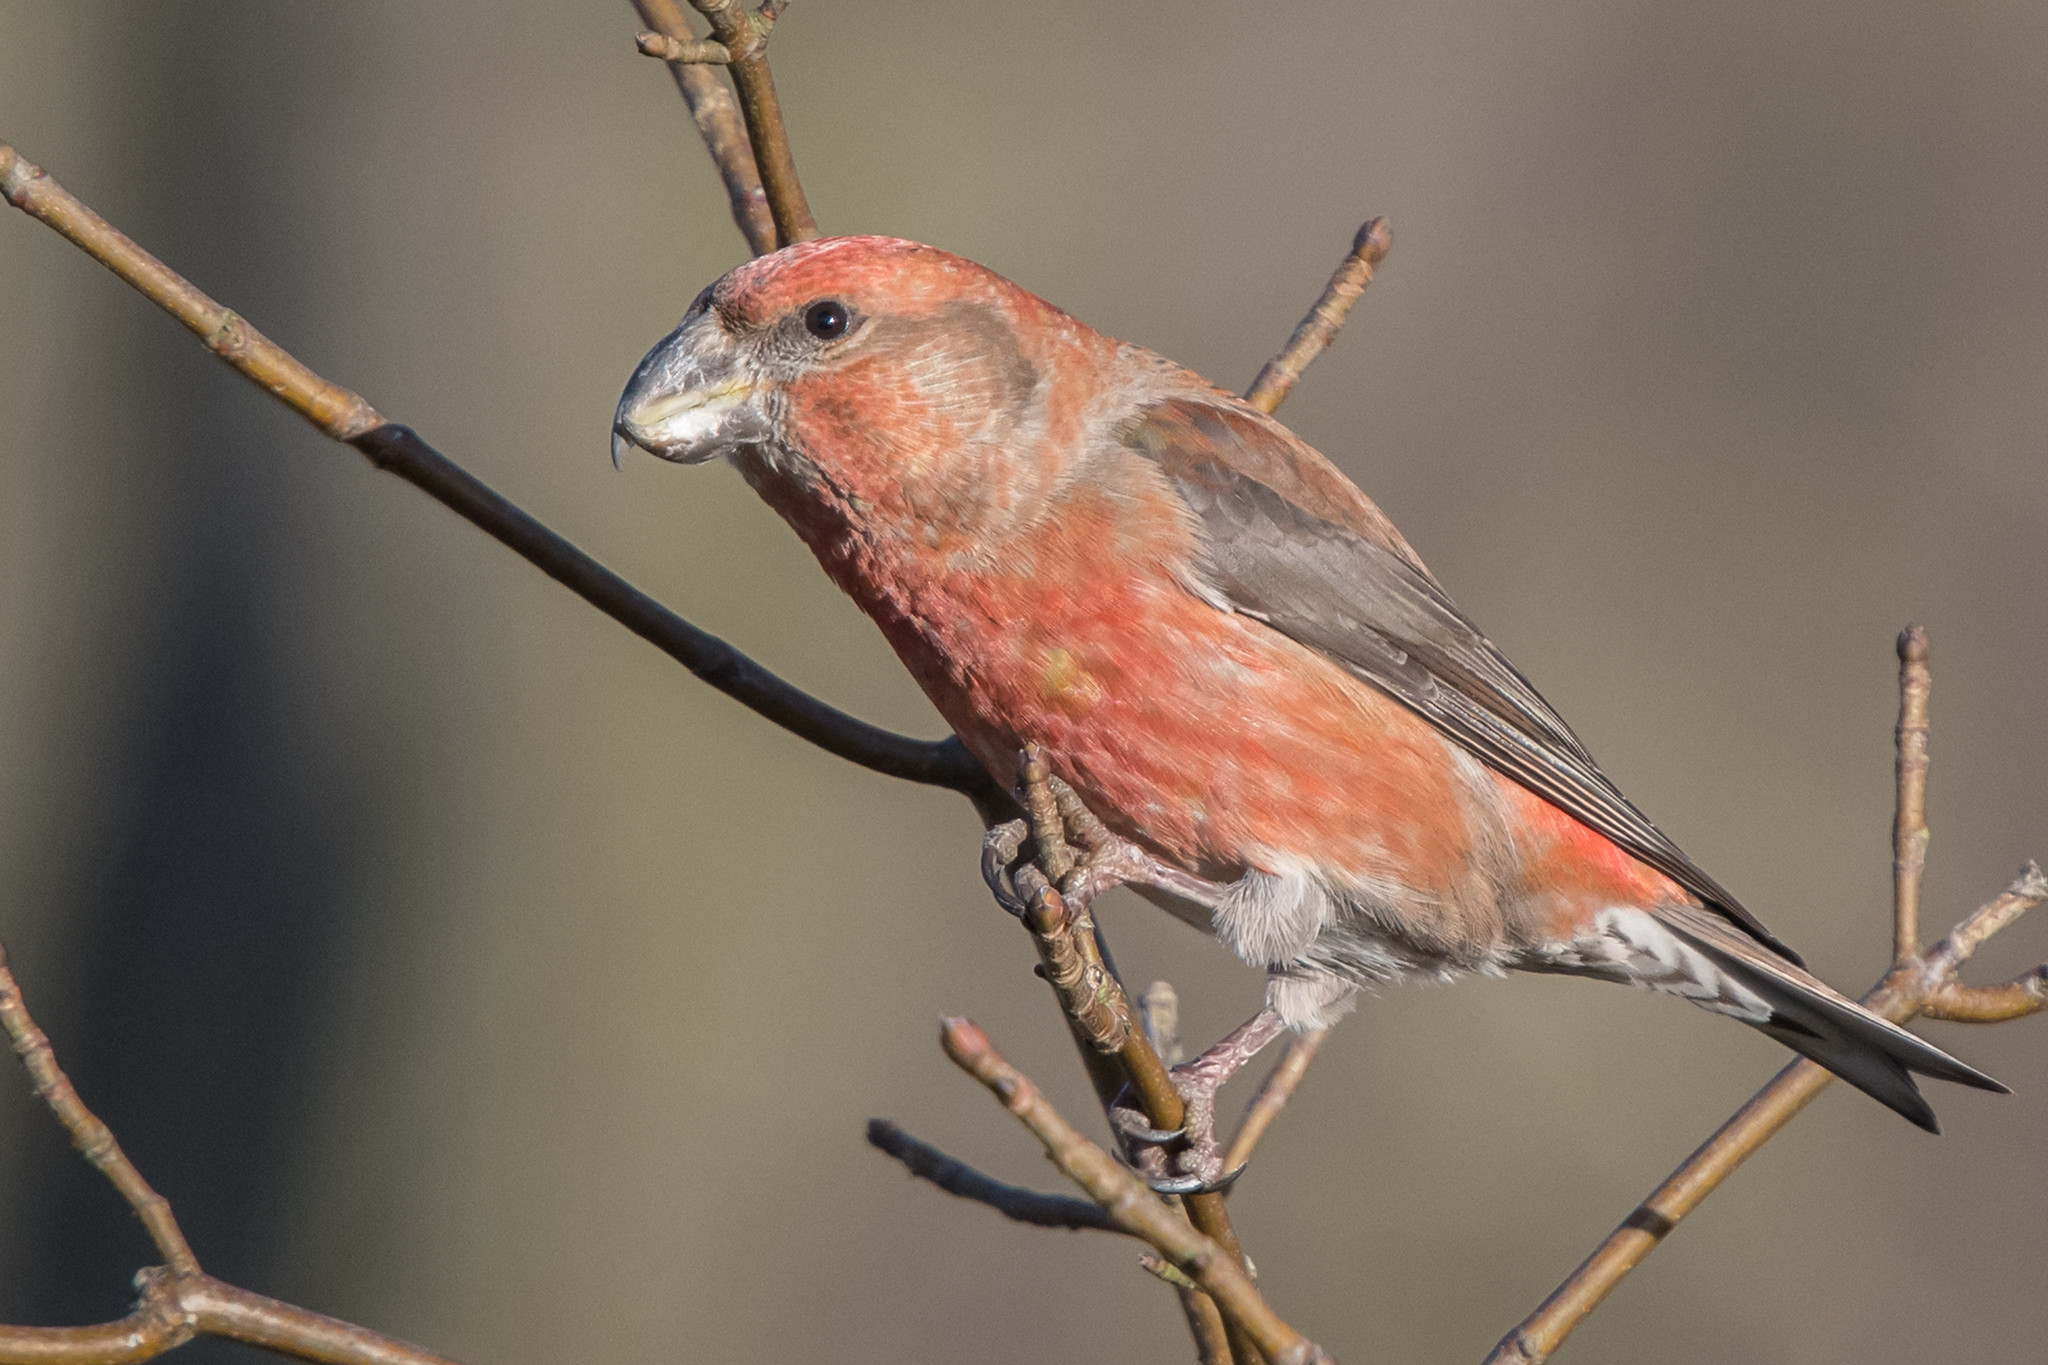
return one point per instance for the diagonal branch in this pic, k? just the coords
(91, 1137)
(347, 417)
(1316, 331)
(1918, 983)
(1130, 1206)
(1274, 1092)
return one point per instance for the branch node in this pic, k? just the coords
(700, 51)
(16, 172)
(1167, 1271)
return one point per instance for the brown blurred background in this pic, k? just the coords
(458, 965)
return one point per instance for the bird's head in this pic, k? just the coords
(905, 379)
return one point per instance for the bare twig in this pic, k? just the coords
(1909, 824)
(744, 35)
(179, 1301)
(1320, 327)
(1921, 983)
(719, 124)
(1131, 1207)
(956, 1177)
(1087, 993)
(1939, 964)
(396, 449)
(1274, 1092)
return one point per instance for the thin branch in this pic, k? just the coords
(1941, 962)
(720, 125)
(1131, 1207)
(1921, 983)
(956, 1177)
(1274, 1092)
(1909, 824)
(744, 35)
(1320, 327)
(91, 1137)
(396, 449)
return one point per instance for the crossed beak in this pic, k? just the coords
(690, 401)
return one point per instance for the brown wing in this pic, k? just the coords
(1292, 543)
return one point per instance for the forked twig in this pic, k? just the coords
(178, 1300)
(1918, 983)
(744, 35)
(1096, 1008)
(1130, 1205)
(719, 124)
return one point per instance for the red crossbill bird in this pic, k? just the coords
(1223, 646)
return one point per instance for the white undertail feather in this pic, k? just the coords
(1649, 955)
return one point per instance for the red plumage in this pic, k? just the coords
(1216, 638)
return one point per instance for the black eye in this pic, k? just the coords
(827, 319)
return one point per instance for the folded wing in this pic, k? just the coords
(1292, 543)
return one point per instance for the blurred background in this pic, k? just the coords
(458, 965)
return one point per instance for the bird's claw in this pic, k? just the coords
(999, 850)
(1190, 1159)
(1131, 1125)
(1192, 1184)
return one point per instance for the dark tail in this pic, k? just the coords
(1816, 1021)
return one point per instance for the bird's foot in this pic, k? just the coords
(1077, 854)
(1190, 1159)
